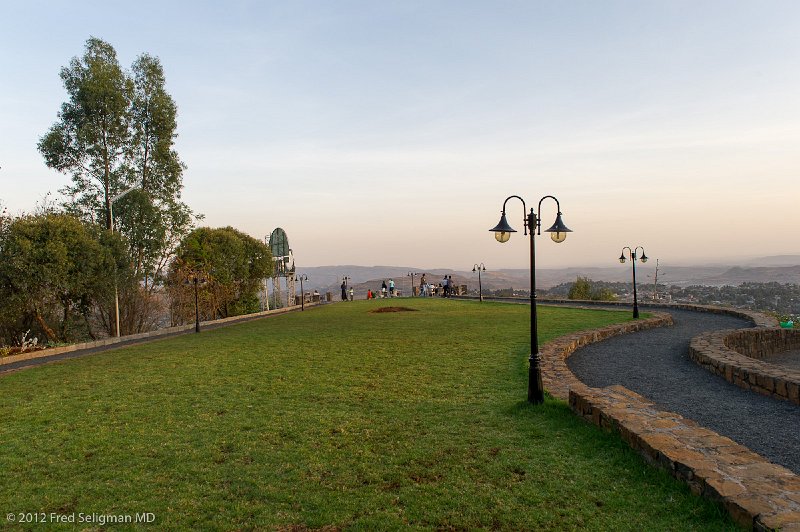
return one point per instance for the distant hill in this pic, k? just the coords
(776, 260)
(738, 275)
(329, 278)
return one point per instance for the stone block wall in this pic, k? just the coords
(738, 356)
(761, 343)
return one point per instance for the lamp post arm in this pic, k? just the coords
(539, 210)
(118, 196)
(630, 252)
(524, 208)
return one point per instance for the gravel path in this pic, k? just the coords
(655, 364)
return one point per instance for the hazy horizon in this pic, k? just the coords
(748, 260)
(380, 133)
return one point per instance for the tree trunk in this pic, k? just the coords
(51, 335)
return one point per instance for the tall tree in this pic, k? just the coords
(152, 217)
(116, 133)
(92, 133)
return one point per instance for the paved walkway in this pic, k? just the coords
(655, 364)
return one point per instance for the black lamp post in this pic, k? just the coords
(478, 268)
(196, 279)
(411, 274)
(632, 256)
(558, 233)
(302, 278)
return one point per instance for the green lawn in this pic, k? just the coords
(332, 417)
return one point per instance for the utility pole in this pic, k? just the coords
(655, 283)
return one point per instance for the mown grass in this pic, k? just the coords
(333, 417)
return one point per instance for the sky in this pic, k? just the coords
(391, 132)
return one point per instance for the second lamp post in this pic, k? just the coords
(196, 278)
(302, 278)
(558, 233)
(479, 268)
(632, 256)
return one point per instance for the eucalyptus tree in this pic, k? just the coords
(152, 216)
(92, 134)
(115, 133)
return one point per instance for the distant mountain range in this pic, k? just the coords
(782, 269)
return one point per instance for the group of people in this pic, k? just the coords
(345, 292)
(445, 288)
(386, 290)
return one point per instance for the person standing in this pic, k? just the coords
(423, 286)
(383, 289)
(351, 293)
(391, 287)
(344, 291)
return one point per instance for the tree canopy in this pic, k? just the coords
(233, 266)
(583, 288)
(53, 269)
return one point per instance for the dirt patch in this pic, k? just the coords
(393, 309)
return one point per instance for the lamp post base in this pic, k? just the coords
(535, 388)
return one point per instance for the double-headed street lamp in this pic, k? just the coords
(411, 274)
(632, 256)
(558, 233)
(302, 278)
(478, 268)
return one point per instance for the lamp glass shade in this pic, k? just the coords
(473, 270)
(644, 257)
(558, 237)
(622, 259)
(502, 236)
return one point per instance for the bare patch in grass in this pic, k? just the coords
(393, 309)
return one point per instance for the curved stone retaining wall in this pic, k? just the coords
(757, 494)
(737, 355)
(760, 343)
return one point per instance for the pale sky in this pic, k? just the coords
(390, 132)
